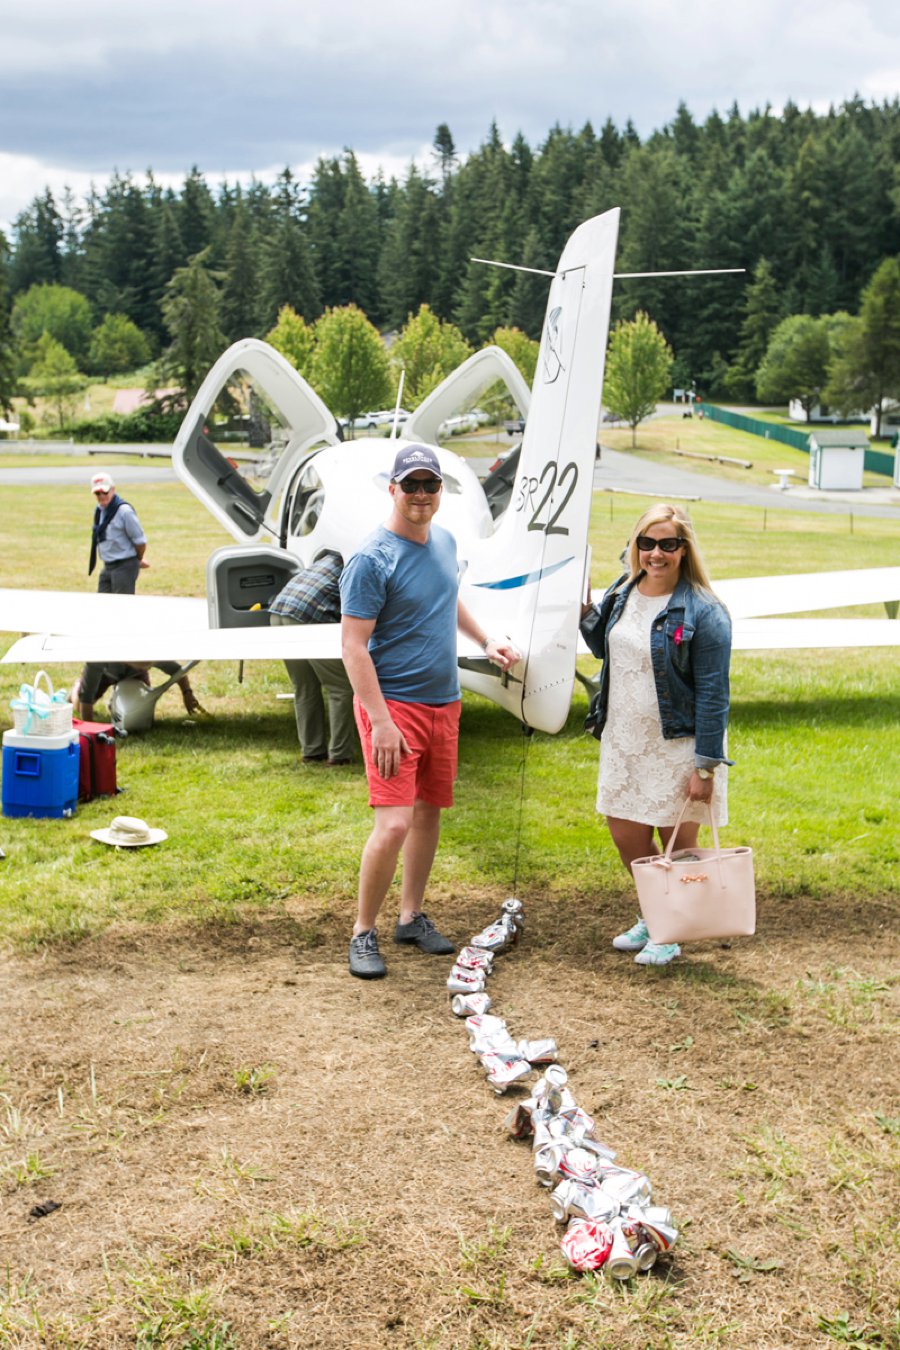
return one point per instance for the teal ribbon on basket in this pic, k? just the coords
(35, 703)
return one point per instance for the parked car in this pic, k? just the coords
(465, 421)
(371, 421)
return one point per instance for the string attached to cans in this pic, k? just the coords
(611, 1223)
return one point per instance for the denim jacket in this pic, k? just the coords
(690, 651)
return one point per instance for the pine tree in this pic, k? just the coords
(191, 314)
(240, 296)
(762, 313)
(8, 379)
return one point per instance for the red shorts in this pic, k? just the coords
(428, 772)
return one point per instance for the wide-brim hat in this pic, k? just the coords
(129, 832)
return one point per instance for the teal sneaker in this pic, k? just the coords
(658, 954)
(632, 941)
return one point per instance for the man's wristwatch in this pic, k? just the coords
(706, 773)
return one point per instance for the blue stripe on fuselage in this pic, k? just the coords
(529, 578)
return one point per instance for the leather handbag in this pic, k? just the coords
(695, 893)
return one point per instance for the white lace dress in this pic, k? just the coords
(642, 776)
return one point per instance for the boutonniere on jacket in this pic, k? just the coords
(678, 635)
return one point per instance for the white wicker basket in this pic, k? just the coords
(44, 716)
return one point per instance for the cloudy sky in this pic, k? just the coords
(237, 89)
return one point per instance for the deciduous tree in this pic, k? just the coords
(117, 345)
(638, 370)
(795, 365)
(57, 310)
(350, 369)
(866, 369)
(55, 376)
(427, 350)
(293, 337)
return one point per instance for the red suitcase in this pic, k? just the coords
(97, 759)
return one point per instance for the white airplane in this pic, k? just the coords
(523, 575)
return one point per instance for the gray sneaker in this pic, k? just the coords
(421, 933)
(365, 958)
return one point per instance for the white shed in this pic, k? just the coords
(837, 459)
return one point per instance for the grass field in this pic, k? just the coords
(665, 435)
(250, 1149)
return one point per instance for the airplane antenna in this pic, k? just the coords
(619, 276)
(393, 435)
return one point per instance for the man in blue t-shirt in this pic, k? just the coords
(400, 613)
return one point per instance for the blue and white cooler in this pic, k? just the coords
(40, 774)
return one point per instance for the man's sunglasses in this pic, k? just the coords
(647, 545)
(429, 485)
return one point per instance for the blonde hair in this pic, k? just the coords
(693, 568)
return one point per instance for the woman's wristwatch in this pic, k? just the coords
(706, 773)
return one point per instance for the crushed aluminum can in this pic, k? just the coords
(467, 1005)
(551, 1090)
(519, 1123)
(547, 1162)
(465, 981)
(499, 1044)
(475, 958)
(502, 1071)
(580, 1164)
(539, 1052)
(579, 1119)
(572, 1200)
(583, 1140)
(484, 1024)
(586, 1245)
(495, 938)
(646, 1253)
(662, 1235)
(647, 1214)
(514, 909)
(626, 1186)
(621, 1262)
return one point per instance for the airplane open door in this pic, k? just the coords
(254, 395)
(463, 387)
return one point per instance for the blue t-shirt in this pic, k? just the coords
(410, 590)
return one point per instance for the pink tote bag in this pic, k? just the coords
(697, 893)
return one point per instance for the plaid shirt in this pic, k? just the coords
(314, 595)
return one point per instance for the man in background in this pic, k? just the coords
(97, 677)
(314, 596)
(117, 538)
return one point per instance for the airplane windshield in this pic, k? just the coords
(309, 497)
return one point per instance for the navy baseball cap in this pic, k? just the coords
(415, 457)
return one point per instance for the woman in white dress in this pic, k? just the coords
(662, 706)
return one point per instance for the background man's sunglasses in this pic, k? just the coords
(429, 485)
(647, 545)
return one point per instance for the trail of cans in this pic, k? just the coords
(611, 1223)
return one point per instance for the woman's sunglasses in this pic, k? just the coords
(647, 545)
(429, 485)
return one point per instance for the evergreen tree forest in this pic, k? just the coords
(807, 203)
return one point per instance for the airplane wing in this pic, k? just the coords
(297, 642)
(752, 597)
(794, 634)
(91, 612)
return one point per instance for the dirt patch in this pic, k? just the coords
(249, 1148)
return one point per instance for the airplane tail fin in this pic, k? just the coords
(528, 579)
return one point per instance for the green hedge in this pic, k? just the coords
(145, 424)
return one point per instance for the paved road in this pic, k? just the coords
(66, 474)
